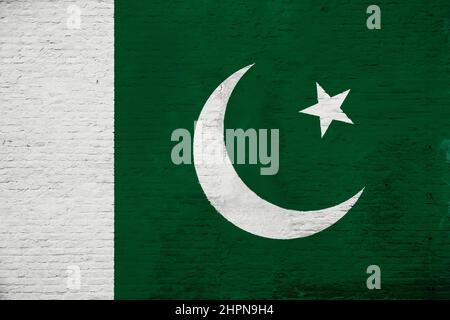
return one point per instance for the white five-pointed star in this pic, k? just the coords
(328, 109)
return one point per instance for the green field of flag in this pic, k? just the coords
(171, 242)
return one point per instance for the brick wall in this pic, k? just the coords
(56, 149)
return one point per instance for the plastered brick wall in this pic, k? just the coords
(56, 149)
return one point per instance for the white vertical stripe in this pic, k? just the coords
(56, 149)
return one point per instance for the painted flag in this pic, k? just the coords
(341, 187)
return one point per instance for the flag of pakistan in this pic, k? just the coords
(282, 149)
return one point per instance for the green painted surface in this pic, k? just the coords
(170, 55)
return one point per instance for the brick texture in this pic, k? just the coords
(56, 149)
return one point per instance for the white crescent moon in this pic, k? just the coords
(228, 193)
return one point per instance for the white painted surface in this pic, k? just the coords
(56, 149)
(328, 109)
